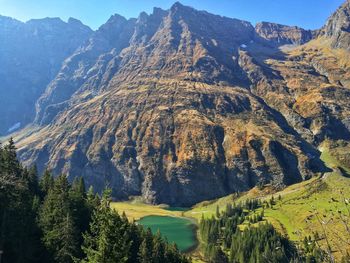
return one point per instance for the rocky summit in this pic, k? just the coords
(181, 105)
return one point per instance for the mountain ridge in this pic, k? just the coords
(181, 106)
(31, 55)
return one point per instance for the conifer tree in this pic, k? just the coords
(145, 253)
(68, 250)
(53, 216)
(46, 183)
(105, 241)
(43, 222)
(158, 249)
(18, 228)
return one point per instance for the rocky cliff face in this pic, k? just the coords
(337, 27)
(283, 35)
(181, 43)
(181, 106)
(31, 54)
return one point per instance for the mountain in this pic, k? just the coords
(181, 106)
(31, 54)
(337, 27)
(283, 35)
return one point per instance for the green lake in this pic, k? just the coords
(181, 209)
(175, 229)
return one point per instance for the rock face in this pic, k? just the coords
(283, 35)
(182, 106)
(337, 27)
(31, 54)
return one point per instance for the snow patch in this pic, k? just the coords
(14, 127)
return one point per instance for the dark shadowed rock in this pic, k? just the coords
(283, 35)
(31, 54)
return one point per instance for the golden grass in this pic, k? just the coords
(135, 210)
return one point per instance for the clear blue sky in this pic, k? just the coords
(310, 14)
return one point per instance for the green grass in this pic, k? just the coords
(302, 207)
(136, 210)
(297, 214)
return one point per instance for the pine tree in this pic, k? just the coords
(46, 183)
(105, 241)
(68, 250)
(218, 256)
(81, 212)
(145, 253)
(18, 228)
(158, 249)
(42, 222)
(53, 215)
(93, 200)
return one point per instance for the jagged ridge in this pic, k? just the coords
(181, 106)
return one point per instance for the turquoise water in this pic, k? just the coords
(175, 229)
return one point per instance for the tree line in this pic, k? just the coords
(52, 220)
(239, 234)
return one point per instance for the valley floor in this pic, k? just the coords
(319, 205)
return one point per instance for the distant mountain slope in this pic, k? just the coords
(31, 55)
(283, 35)
(337, 27)
(181, 106)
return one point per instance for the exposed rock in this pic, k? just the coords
(31, 54)
(89, 69)
(181, 106)
(173, 142)
(338, 27)
(283, 35)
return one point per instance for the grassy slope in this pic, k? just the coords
(314, 205)
(135, 210)
(299, 213)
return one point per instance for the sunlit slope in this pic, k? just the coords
(318, 205)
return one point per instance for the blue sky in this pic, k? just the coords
(310, 14)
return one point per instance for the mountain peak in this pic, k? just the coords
(113, 25)
(143, 16)
(158, 12)
(9, 20)
(72, 20)
(178, 6)
(116, 18)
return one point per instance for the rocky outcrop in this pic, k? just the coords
(88, 70)
(283, 35)
(31, 54)
(337, 27)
